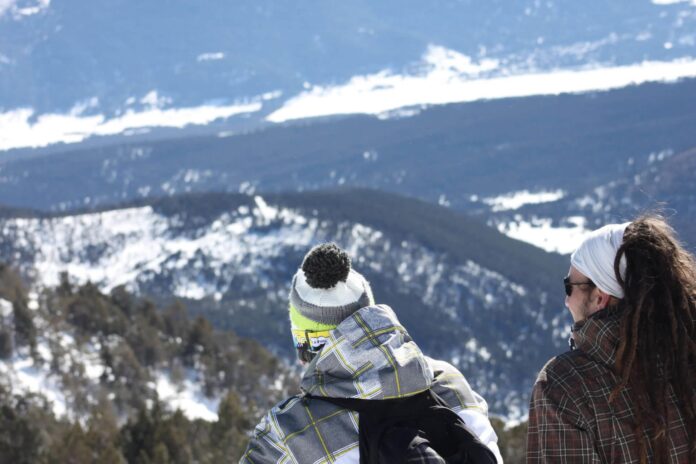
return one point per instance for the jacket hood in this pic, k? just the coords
(369, 355)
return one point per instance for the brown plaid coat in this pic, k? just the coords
(570, 417)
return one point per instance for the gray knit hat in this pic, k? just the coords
(325, 290)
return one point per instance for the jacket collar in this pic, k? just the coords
(598, 335)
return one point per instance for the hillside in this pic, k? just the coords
(455, 154)
(664, 184)
(494, 306)
(109, 376)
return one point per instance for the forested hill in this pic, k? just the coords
(459, 236)
(459, 151)
(87, 376)
(494, 305)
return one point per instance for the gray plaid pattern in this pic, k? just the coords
(369, 355)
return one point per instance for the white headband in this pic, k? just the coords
(595, 258)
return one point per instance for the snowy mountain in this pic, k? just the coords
(493, 305)
(489, 159)
(70, 69)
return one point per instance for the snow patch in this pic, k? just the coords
(18, 129)
(153, 100)
(580, 49)
(24, 376)
(189, 399)
(541, 233)
(400, 113)
(673, 2)
(268, 213)
(211, 56)
(271, 95)
(449, 77)
(10, 6)
(445, 61)
(6, 308)
(515, 200)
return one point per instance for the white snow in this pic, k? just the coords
(210, 56)
(449, 77)
(580, 49)
(136, 242)
(268, 213)
(539, 232)
(19, 130)
(6, 308)
(135, 229)
(673, 2)
(401, 113)
(18, 12)
(189, 399)
(22, 374)
(271, 95)
(33, 303)
(515, 200)
(153, 100)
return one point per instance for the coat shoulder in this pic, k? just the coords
(563, 367)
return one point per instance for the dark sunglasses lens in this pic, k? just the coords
(567, 286)
(305, 354)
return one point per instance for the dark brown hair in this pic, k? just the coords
(657, 348)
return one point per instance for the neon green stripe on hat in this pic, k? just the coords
(299, 321)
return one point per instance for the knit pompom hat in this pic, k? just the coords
(325, 290)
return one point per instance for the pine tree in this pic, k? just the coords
(71, 447)
(228, 434)
(5, 344)
(160, 455)
(25, 331)
(138, 437)
(512, 441)
(19, 439)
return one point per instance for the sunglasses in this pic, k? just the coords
(309, 342)
(568, 285)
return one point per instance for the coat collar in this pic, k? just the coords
(598, 335)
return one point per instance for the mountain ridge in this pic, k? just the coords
(231, 259)
(461, 151)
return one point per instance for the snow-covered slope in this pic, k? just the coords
(235, 263)
(73, 347)
(661, 181)
(134, 245)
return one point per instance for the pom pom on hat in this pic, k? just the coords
(326, 265)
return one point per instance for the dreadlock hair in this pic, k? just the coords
(656, 356)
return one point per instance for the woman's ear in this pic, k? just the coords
(601, 299)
